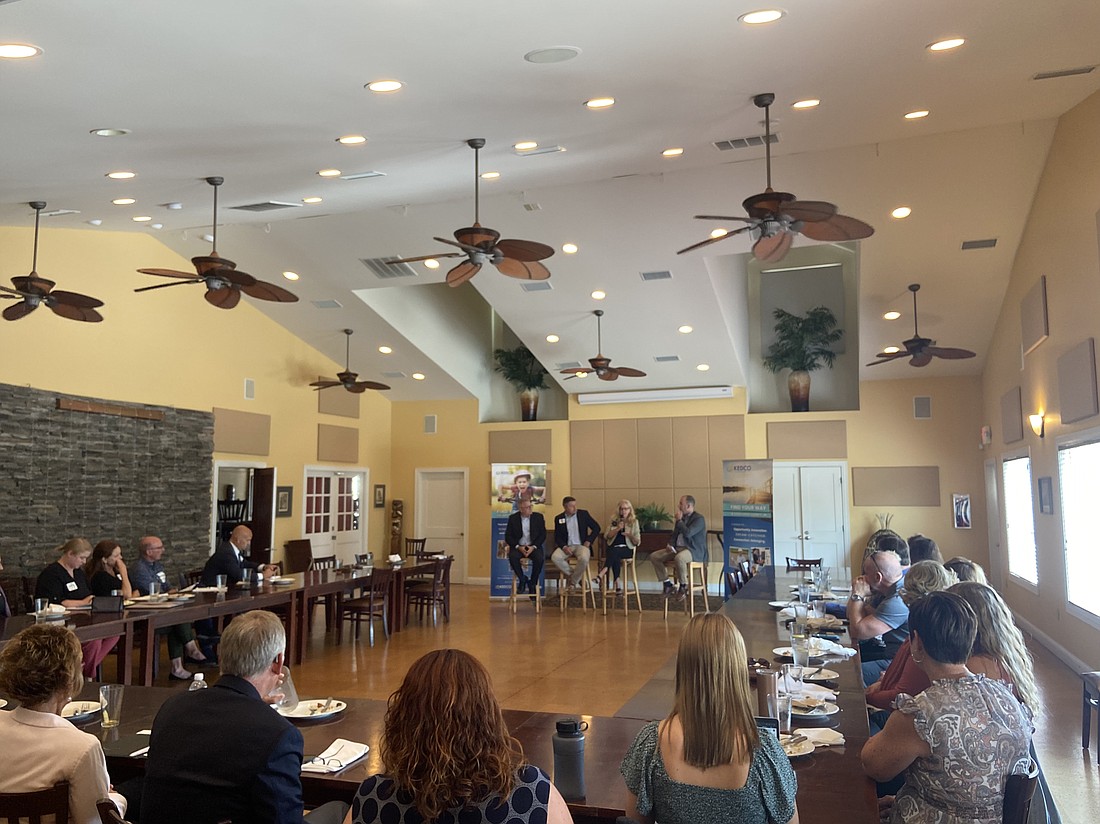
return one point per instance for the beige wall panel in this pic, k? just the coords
(245, 433)
(611, 497)
(727, 442)
(1012, 416)
(1077, 382)
(664, 495)
(620, 453)
(338, 401)
(594, 500)
(337, 443)
(896, 485)
(690, 455)
(807, 440)
(586, 454)
(520, 446)
(654, 452)
(713, 513)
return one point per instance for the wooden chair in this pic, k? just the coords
(525, 563)
(628, 575)
(191, 576)
(561, 582)
(36, 807)
(373, 604)
(331, 618)
(734, 581)
(694, 585)
(19, 591)
(1019, 790)
(1090, 702)
(431, 593)
(415, 547)
(802, 563)
(746, 570)
(108, 812)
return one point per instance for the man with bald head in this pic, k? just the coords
(181, 637)
(229, 559)
(877, 617)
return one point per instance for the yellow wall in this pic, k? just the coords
(1060, 241)
(171, 348)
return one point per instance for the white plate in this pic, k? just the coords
(797, 750)
(827, 709)
(311, 709)
(787, 652)
(281, 580)
(824, 675)
(3, 703)
(780, 604)
(81, 711)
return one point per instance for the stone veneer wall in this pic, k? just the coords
(66, 473)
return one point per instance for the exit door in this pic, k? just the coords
(810, 509)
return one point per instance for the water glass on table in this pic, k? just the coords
(221, 582)
(287, 694)
(784, 712)
(792, 680)
(800, 645)
(804, 592)
(110, 702)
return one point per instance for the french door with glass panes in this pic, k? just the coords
(334, 514)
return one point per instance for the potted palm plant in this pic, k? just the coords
(651, 516)
(803, 345)
(523, 370)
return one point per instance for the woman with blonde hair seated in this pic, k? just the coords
(966, 570)
(449, 756)
(40, 668)
(621, 538)
(707, 761)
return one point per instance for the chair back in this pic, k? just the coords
(1019, 790)
(324, 562)
(802, 563)
(361, 560)
(380, 582)
(191, 576)
(37, 807)
(746, 570)
(297, 553)
(232, 510)
(108, 812)
(19, 591)
(415, 546)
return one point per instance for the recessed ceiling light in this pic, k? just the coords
(351, 139)
(141, 218)
(329, 172)
(208, 238)
(552, 338)
(891, 315)
(892, 350)
(490, 175)
(901, 211)
(525, 145)
(569, 248)
(123, 201)
(18, 51)
(385, 350)
(175, 205)
(156, 225)
(552, 54)
(291, 275)
(121, 175)
(418, 376)
(809, 103)
(685, 329)
(580, 374)
(703, 367)
(719, 232)
(599, 294)
(94, 222)
(109, 132)
(314, 199)
(946, 45)
(758, 18)
(600, 102)
(676, 151)
(917, 115)
(431, 263)
(384, 86)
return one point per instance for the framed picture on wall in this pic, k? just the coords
(379, 496)
(961, 507)
(284, 501)
(1046, 495)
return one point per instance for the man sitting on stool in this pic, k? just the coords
(574, 532)
(688, 543)
(525, 536)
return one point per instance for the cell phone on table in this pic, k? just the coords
(766, 723)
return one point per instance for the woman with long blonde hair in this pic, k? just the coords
(449, 755)
(621, 538)
(707, 761)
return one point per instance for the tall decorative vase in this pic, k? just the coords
(529, 404)
(799, 386)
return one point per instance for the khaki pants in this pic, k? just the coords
(682, 556)
(560, 559)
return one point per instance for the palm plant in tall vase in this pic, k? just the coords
(803, 345)
(522, 369)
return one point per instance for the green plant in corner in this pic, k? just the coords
(802, 344)
(522, 369)
(651, 516)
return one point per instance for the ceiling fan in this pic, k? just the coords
(481, 245)
(347, 378)
(776, 217)
(33, 291)
(921, 350)
(224, 283)
(600, 364)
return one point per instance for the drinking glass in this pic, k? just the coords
(817, 610)
(288, 694)
(792, 679)
(110, 702)
(800, 645)
(784, 713)
(804, 592)
(221, 582)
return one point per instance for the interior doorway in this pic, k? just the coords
(442, 514)
(810, 509)
(334, 514)
(243, 493)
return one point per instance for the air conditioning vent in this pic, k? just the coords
(362, 175)
(60, 212)
(661, 275)
(394, 375)
(266, 206)
(384, 271)
(569, 365)
(744, 142)
(536, 286)
(249, 389)
(667, 358)
(922, 407)
(541, 150)
(1062, 73)
(328, 304)
(532, 207)
(988, 243)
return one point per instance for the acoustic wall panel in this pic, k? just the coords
(337, 443)
(594, 500)
(896, 486)
(620, 453)
(807, 440)
(1077, 382)
(654, 452)
(586, 454)
(337, 401)
(727, 443)
(520, 446)
(244, 433)
(1012, 416)
(690, 454)
(1033, 316)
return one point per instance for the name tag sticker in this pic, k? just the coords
(70, 586)
(162, 576)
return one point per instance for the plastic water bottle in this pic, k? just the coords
(198, 682)
(569, 758)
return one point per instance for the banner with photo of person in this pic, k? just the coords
(510, 484)
(747, 531)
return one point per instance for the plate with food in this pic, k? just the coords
(796, 746)
(787, 652)
(180, 597)
(313, 709)
(281, 581)
(811, 706)
(821, 674)
(780, 604)
(81, 712)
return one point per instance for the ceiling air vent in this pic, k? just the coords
(988, 243)
(266, 206)
(536, 286)
(532, 207)
(361, 175)
(328, 304)
(1062, 73)
(541, 150)
(744, 142)
(662, 275)
(569, 365)
(384, 271)
(667, 358)
(394, 375)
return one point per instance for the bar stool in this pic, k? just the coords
(1090, 701)
(525, 564)
(694, 585)
(628, 574)
(585, 592)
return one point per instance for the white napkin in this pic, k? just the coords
(395, 559)
(811, 691)
(206, 589)
(55, 609)
(822, 736)
(342, 751)
(826, 647)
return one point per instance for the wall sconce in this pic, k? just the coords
(1038, 423)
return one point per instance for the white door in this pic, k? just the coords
(333, 515)
(441, 513)
(810, 512)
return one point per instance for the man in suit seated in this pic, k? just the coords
(229, 560)
(222, 754)
(574, 532)
(525, 536)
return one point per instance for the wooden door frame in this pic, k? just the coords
(365, 505)
(418, 484)
(230, 464)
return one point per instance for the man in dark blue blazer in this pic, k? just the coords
(228, 559)
(525, 536)
(222, 754)
(574, 532)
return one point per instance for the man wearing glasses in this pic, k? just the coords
(877, 617)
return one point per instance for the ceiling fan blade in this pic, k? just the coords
(18, 310)
(726, 217)
(168, 273)
(921, 359)
(74, 299)
(575, 372)
(889, 356)
(230, 275)
(11, 293)
(525, 270)
(166, 285)
(462, 273)
(771, 249)
(608, 374)
(361, 385)
(225, 298)
(463, 246)
(525, 250)
(325, 384)
(422, 257)
(949, 353)
(838, 227)
(810, 211)
(263, 290)
(711, 240)
(72, 312)
(627, 372)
